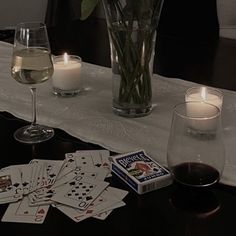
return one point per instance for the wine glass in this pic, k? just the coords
(195, 151)
(31, 65)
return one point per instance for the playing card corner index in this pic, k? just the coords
(140, 171)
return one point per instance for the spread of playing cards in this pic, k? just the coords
(75, 186)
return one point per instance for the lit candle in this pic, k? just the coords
(66, 79)
(204, 94)
(202, 115)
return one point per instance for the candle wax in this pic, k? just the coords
(67, 75)
(210, 98)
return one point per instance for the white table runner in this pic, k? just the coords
(89, 116)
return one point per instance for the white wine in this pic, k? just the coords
(32, 65)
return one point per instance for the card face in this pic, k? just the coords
(74, 185)
(25, 177)
(100, 159)
(96, 173)
(5, 183)
(104, 202)
(52, 170)
(80, 193)
(10, 184)
(98, 156)
(25, 171)
(36, 169)
(104, 214)
(48, 172)
(83, 161)
(66, 167)
(22, 212)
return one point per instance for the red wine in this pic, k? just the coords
(195, 174)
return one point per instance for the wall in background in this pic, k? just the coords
(15, 11)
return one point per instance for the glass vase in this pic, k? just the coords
(132, 33)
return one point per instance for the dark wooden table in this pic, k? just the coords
(172, 210)
(167, 211)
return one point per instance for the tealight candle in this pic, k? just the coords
(205, 94)
(201, 96)
(66, 79)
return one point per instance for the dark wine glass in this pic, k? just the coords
(195, 152)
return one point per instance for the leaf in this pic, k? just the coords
(87, 7)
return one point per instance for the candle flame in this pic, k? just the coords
(204, 93)
(66, 58)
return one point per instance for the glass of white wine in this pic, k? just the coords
(31, 65)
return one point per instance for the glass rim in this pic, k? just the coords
(31, 25)
(216, 115)
(54, 57)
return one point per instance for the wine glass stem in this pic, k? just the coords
(33, 93)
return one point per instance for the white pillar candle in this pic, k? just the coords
(201, 114)
(205, 94)
(66, 79)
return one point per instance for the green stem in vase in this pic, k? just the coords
(135, 84)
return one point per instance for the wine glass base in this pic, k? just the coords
(31, 134)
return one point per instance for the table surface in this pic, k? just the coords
(167, 211)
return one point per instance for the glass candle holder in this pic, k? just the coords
(67, 79)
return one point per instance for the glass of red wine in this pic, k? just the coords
(195, 152)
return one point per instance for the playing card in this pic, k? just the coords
(25, 171)
(83, 161)
(70, 160)
(104, 214)
(10, 185)
(40, 196)
(49, 172)
(103, 202)
(94, 154)
(36, 174)
(75, 186)
(80, 193)
(68, 166)
(96, 173)
(52, 169)
(100, 158)
(25, 177)
(120, 194)
(63, 180)
(22, 212)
